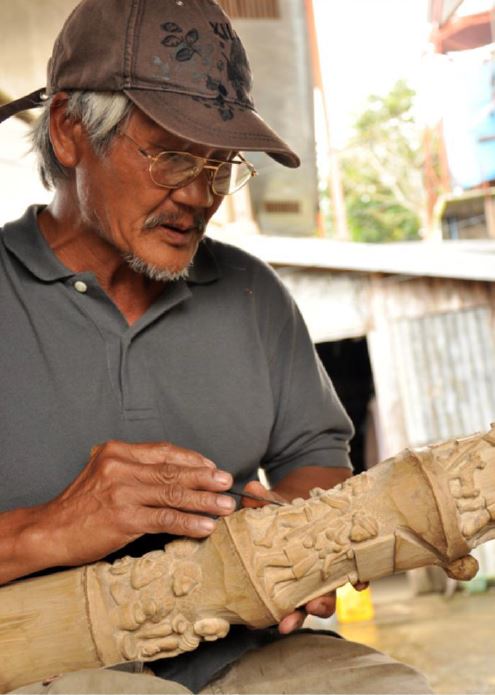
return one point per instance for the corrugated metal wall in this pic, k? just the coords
(446, 373)
(432, 349)
(431, 344)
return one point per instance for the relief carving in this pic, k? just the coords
(259, 564)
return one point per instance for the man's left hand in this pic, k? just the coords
(322, 607)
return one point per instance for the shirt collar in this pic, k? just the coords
(24, 239)
(205, 268)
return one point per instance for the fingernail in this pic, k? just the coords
(222, 477)
(226, 502)
(209, 462)
(207, 525)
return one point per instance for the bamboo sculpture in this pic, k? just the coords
(428, 506)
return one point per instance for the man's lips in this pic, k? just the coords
(178, 236)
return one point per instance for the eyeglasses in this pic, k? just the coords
(177, 169)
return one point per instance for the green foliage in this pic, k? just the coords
(382, 170)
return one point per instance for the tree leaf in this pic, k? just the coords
(184, 54)
(171, 41)
(382, 171)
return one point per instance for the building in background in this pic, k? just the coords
(404, 329)
(463, 35)
(275, 34)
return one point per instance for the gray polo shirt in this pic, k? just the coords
(221, 364)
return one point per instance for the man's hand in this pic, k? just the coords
(322, 607)
(125, 491)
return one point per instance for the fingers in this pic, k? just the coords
(182, 497)
(153, 453)
(291, 622)
(361, 586)
(192, 477)
(174, 522)
(127, 490)
(323, 606)
(156, 474)
(164, 498)
(170, 493)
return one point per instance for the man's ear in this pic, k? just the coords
(66, 134)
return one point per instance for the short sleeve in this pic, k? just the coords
(311, 427)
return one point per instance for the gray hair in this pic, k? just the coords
(101, 113)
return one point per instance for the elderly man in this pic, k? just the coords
(144, 367)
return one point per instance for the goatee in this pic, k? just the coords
(138, 265)
(153, 272)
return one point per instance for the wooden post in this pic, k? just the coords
(335, 179)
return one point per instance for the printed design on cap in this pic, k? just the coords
(227, 73)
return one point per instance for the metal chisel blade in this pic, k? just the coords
(257, 498)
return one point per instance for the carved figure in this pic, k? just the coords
(427, 506)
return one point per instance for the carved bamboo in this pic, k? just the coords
(427, 506)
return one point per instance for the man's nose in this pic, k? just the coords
(197, 193)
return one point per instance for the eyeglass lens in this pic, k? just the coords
(176, 169)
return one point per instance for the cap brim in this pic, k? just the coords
(200, 120)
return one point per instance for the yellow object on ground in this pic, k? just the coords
(354, 606)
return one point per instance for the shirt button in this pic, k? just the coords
(80, 286)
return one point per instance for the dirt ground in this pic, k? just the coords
(451, 640)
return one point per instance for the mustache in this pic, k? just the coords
(173, 220)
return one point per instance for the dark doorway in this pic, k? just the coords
(347, 363)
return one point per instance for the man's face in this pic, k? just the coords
(157, 227)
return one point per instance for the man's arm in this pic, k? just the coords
(20, 555)
(124, 491)
(300, 481)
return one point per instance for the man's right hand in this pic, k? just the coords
(125, 491)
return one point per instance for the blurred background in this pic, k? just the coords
(385, 236)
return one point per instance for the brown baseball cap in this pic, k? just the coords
(179, 61)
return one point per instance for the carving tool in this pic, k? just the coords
(257, 498)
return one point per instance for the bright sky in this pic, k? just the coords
(365, 47)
